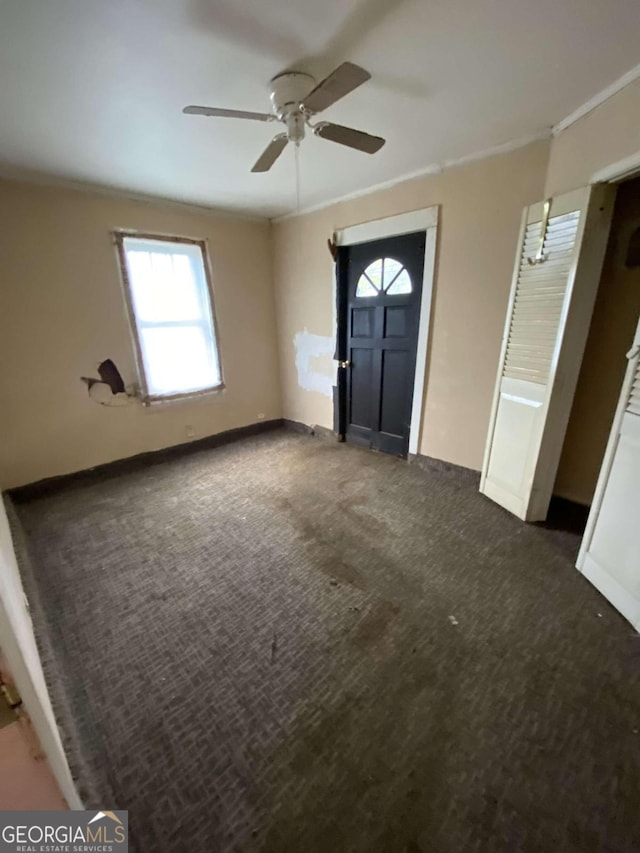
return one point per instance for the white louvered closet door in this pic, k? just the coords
(552, 296)
(610, 551)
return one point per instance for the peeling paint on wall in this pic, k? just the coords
(315, 351)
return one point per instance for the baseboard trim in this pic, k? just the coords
(310, 429)
(42, 488)
(427, 463)
(439, 466)
(564, 514)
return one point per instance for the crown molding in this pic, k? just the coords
(594, 102)
(431, 169)
(45, 180)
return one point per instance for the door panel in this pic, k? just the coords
(616, 539)
(397, 322)
(395, 377)
(361, 414)
(362, 322)
(383, 280)
(557, 269)
(610, 551)
(517, 431)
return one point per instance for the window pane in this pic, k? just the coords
(402, 284)
(163, 286)
(374, 273)
(365, 288)
(178, 359)
(172, 312)
(391, 270)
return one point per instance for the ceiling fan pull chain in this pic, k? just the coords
(297, 155)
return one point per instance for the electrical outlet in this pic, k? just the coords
(190, 431)
(260, 416)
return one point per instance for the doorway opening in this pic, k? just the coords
(383, 289)
(613, 324)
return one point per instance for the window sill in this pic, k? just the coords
(189, 397)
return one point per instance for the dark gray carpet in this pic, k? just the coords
(290, 645)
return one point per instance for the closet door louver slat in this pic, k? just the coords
(633, 406)
(539, 298)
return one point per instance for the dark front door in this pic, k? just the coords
(381, 286)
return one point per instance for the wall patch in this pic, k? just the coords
(313, 352)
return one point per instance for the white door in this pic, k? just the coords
(558, 264)
(610, 551)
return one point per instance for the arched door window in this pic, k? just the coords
(384, 275)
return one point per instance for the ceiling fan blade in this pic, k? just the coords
(216, 112)
(339, 83)
(271, 153)
(350, 137)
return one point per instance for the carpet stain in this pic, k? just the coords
(340, 570)
(323, 547)
(375, 623)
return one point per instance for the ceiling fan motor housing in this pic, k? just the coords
(288, 90)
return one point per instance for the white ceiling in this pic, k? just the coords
(93, 90)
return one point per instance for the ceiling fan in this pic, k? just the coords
(295, 99)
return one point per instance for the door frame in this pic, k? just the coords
(615, 173)
(621, 170)
(425, 220)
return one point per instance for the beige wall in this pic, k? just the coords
(605, 136)
(62, 312)
(480, 210)
(614, 322)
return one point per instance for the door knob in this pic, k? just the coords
(344, 363)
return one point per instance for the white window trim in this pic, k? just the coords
(148, 399)
(392, 226)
